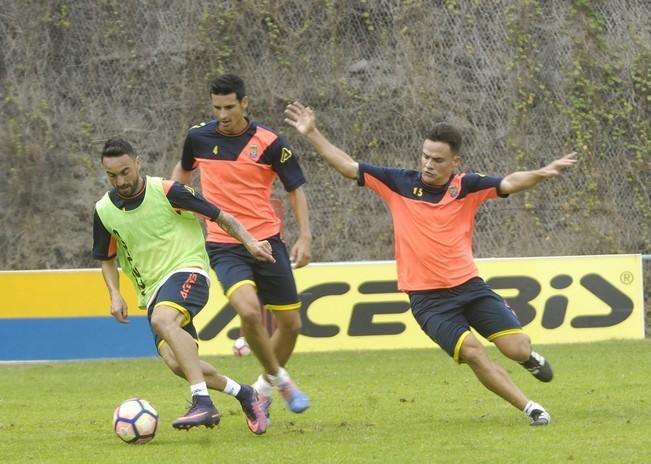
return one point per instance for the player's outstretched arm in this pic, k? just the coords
(524, 180)
(119, 309)
(303, 119)
(261, 250)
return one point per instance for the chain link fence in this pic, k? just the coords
(526, 81)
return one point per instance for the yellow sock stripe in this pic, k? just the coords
(288, 307)
(457, 347)
(503, 332)
(186, 315)
(237, 285)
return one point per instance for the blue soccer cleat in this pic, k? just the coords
(296, 400)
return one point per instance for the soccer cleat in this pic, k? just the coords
(255, 417)
(539, 417)
(264, 390)
(296, 400)
(265, 404)
(539, 367)
(202, 412)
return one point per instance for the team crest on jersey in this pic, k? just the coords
(215, 150)
(452, 190)
(253, 151)
(285, 155)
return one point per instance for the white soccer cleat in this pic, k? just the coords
(537, 414)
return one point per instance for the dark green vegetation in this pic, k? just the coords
(525, 79)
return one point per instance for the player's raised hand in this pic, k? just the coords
(300, 117)
(261, 250)
(119, 309)
(555, 167)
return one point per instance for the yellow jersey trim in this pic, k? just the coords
(186, 314)
(503, 332)
(288, 307)
(457, 347)
(237, 285)
(160, 343)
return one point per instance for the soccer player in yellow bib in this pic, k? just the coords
(149, 224)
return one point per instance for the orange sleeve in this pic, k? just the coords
(112, 249)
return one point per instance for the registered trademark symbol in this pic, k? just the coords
(626, 277)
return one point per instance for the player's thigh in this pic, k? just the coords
(492, 318)
(516, 346)
(442, 318)
(275, 281)
(233, 265)
(187, 294)
(244, 298)
(470, 350)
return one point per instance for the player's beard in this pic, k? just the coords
(129, 190)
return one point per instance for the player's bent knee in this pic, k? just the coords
(160, 326)
(472, 352)
(164, 329)
(164, 320)
(250, 316)
(288, 332)
(516, 347)
(473, 356)
(289, 321)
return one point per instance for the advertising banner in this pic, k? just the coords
(52, 315)
(357, 306)
(345, 306)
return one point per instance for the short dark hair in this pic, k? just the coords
(117, 146)
(227, 84)
(446, 133)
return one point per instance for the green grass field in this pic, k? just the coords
(407, 406)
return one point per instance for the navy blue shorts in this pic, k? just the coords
(185, 291)
(446, 315)
(235, 266)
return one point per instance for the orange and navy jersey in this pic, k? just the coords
(237, 172)
(433, 227)
(181, 197)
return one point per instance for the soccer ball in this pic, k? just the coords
(135, 421)
(241, 347)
